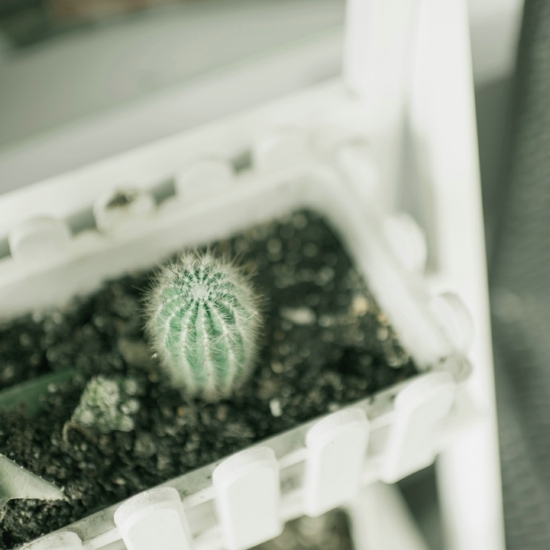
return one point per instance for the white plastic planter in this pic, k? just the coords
(318, 465)
(326, 149)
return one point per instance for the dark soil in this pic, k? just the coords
(324, 343)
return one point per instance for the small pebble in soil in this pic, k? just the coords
(331, 531)
(324, 343)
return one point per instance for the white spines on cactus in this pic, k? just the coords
(202, 320)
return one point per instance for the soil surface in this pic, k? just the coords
(324, 343)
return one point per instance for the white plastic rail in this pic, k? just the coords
(253, 493)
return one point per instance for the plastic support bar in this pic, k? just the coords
(336, 448)
(154, 519)
(56, 541)
(381, 520)
(246, 488)
(38, 237)
(419, 408)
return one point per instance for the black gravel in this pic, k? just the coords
(324, 343)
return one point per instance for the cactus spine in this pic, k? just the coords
(202, 321)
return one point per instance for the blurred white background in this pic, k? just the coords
(99, 89)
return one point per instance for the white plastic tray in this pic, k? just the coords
(438, 94)
(386, 436)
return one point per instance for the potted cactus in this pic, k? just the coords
(233, 307)
(211, 354)
(203, 320)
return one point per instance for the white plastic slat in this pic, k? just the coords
(419, 408)
(204, 177)
(246, 488)
(56, 541)
(38, 237)
(154, 519)
(336, 448)
(122, 207)
(377, 50)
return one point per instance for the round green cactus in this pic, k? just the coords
(203, 319)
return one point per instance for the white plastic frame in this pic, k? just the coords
(330, 187)
(332, 108)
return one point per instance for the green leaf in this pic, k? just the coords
(29, 392)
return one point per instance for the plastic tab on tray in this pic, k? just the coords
(122, 207)
(419, 409)
(204, 177)
(336, 448)
(408, 241)
(56, 541)
(247, 490)
(38, 237)
(154, 519)
(280, 148)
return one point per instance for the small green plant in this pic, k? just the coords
(203, 320)
(107, 405)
